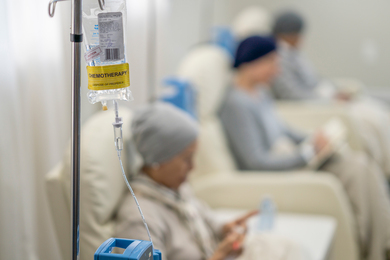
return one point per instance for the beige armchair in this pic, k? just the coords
(366, 121)
(217, 181)
(309, 116)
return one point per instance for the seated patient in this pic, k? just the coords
(180, 225)
(298, 80)
(254, 131)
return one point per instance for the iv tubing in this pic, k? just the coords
(118, 150)
(135, 198)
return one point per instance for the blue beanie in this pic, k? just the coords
(253, 48)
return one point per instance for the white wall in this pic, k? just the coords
(182, 24)
(344, 37)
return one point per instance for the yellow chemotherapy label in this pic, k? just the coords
(108, 77)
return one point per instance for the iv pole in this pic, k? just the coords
(76, 38)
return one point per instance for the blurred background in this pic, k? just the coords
(344, 38)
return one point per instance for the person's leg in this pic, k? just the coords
(345, 168)
(372, 121)
(366, 188)
(380, 211)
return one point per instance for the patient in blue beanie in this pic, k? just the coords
(260, 141)
(246, 53)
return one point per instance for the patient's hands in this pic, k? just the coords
(238, 223)
(231, 245)
(343, 96)
(234, 234)
(320, 141)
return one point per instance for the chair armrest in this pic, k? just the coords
(309, 116)
(298, 192)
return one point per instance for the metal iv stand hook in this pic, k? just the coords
(53, 3)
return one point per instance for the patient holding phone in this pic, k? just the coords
(181, 226)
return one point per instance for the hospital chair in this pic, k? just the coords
(217, 180)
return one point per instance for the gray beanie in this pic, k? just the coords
(288, 22)
(162, 131)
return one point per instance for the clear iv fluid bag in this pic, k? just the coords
(105, 35)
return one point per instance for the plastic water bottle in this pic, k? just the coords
(267, 214)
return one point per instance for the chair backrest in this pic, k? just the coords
(224, 38)
(253, 20)
(208, 69)
(180, 93)
(101, 185)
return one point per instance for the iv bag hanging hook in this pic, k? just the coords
(102, 4)
(52, 6)
(53, 3)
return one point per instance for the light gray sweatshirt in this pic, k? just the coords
(252, 128)
(297, 79)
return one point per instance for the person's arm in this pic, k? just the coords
(209, 216)
(246, 142)
(239, 222)
(286, 86)
(205, 211)
(294, 134)
(306, 149)
(289, 85)
(234, 234)
(231, 245)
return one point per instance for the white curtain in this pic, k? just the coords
(34, 114)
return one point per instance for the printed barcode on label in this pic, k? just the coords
(112, 54)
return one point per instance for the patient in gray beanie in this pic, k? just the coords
(161, 131)
(181, 226)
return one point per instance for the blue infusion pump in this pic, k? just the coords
(134, 250)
